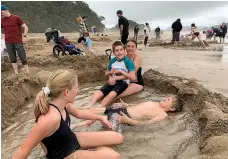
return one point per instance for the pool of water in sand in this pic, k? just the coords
(174, 138)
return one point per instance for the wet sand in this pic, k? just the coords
(148, 144)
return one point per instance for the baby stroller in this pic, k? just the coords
(62, 45)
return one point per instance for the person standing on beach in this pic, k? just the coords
(14, 37)
(136, 31)
(146, 33)
(82, 25)
(224, 30)
(177, 27)
(158, 32)
(124, 27)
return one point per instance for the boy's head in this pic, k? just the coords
(119, 13)
(4, 11)
(118, 50)
(171, 104)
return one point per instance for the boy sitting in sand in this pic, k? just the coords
(139, 114)
(120, 71)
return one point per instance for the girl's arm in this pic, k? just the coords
(82, 114)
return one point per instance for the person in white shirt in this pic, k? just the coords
(3, 46)
(146, 33)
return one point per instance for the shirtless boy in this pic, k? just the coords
(142, 113)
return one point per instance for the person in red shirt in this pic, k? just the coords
(12, 25)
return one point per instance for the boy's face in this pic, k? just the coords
(119, 52)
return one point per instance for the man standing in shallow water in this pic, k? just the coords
(12, 25)
(124, 26)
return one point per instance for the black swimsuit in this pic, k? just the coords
(63, 141)
(139, 76)
(111, 110)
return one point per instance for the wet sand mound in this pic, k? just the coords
(101, 39)
(35, 44)
(210, 110)
(16, 92)
(77, 62)
(18, 89)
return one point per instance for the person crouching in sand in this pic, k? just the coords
(195, 33)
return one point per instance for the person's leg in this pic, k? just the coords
(97, 95)
(108, 99)
(131, 89)
(178, 37)
(224, 36)
(124, 39)
(97, 139)
(145, 40)
(215, 36)
(193, 37)
(199, 38)
(22, 55)
(99, 153)
(12, 56)
(119, 88)
(136, 36)
(173, 38)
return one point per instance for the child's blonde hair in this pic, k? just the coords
(57, 82)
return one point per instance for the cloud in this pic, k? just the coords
(163, 13)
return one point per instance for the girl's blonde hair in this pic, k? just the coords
(79, 19)
(57, 82)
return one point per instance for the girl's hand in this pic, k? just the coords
(105, 122)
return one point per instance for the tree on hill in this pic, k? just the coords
(40, 15)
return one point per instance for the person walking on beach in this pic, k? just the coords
(177, 27)
(136, 31)
(146, 33)
(124, 26)
(158, 32)
(224, 30)
(14, 37)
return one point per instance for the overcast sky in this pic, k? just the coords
(163, 14)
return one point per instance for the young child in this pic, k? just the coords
(120, 71)
(88, 42)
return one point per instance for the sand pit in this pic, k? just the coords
(209, 109)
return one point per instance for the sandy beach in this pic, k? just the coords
(180, 64)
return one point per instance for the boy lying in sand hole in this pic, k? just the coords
(139, 114)
(120, 71)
